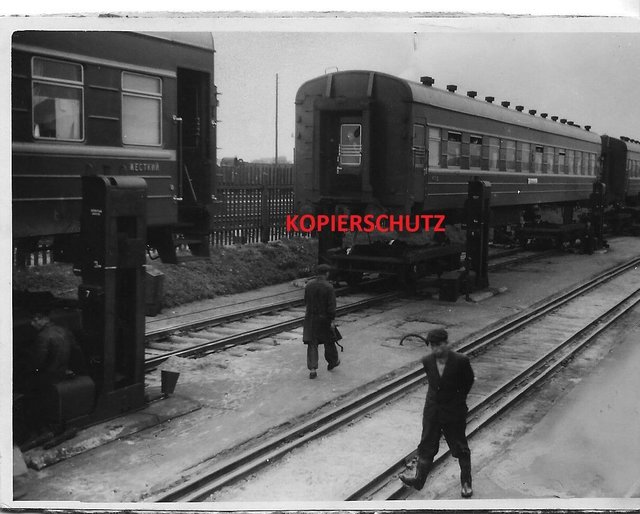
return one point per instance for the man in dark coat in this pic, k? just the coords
(51, 351)
(450, 378)
(320, 302)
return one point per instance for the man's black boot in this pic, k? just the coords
(422, 470)
(466, 490)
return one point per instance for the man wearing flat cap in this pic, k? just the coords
(450, 378)
(320, 302)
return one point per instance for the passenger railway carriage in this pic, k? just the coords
(112, 103)
(632, 164)
(621, 170)
(367, 139)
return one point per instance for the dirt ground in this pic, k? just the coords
(246, 391)
(588, 443)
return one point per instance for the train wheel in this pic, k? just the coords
(354, 278)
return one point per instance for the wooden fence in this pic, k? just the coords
(256, 199)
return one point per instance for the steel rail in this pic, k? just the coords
(254, 459)
(525, 317)
(253, 335)
(506, 395)
(158, 333)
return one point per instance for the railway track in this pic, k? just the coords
(500, 352)
(244, 330)
(213, 332)
(157, 329)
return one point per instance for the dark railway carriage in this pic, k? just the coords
(366, 137)
(621, 174)
(368, 142)
(621, 170)
(112, 103)
(633, 172)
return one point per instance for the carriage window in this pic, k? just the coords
(579, 170)
(525, 156)
(560, 160)
(494, 152)
(434, 147)
(475, 152)
(547, 164)
(592, 164)
(57, 97)
(537, 159)
(350, 150)
(419, 148)
(454, 144)
(509, 154)
(141, 109)
(570, 163)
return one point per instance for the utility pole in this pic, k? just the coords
(276, 160)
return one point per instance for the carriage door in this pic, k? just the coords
(342, 155)
(194, 156)
(417, 177)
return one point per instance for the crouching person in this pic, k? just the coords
(450, 378)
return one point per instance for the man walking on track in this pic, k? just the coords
(450, 378)
(320, 302)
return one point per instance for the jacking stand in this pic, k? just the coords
(477, 214)
(112, 294)
(476, 269)
(594, 237)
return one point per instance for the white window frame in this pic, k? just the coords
(125, 92)
(54, 81)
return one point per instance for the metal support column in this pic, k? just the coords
(112, 294)
(477, 217)
(597, 213)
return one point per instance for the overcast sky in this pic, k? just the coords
(591, 78)
(584, 69)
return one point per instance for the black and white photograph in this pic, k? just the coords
(321, 260)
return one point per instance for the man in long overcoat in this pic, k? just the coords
(450, 378)
(320, 302)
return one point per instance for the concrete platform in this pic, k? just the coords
(158, 411)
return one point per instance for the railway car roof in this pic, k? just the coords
(632, 147)
(456, 102)
(202, 40)
(462, 103)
